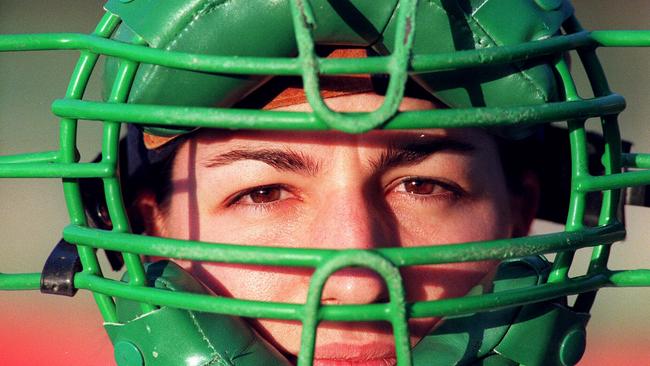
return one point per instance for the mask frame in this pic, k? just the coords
(64, 164)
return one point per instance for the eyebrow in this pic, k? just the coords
(280, 159)
(398, 154)
(411, 153)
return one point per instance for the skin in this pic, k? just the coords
(339, 191)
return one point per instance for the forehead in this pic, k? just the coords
(356, 103)
(224, 140)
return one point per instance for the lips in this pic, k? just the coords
(352, 362)
(344, 354)
(346, 344)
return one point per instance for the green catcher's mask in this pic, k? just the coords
(174, 66)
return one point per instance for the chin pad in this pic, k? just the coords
(170, 336)
(538, 334)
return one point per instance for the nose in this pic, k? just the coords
(349, 221)
(354, 286)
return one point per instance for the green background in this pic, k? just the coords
(32, 212)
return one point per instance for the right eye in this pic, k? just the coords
(420, 187)
(264, 195)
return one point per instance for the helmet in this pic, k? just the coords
(169, 72)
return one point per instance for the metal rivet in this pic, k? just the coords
(127, 354)
(572, 346)
(549, 5)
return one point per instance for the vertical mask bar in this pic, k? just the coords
(68, 138)
(110, 154)
(609, 213)
(611, 161)
(579, 168)
(609, 210)
(396, 314)
(303, 22)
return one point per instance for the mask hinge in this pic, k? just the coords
(57, 277)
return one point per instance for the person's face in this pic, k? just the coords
(334, 190)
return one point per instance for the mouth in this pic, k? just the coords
(364, 344)
(390, 361)
(342, 354)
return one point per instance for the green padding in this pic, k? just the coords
(170, 336)
(534, 335)
(264, 28)
(538, 334)
(448, 26)
(228, 27)
(465, 339)
(545, 334)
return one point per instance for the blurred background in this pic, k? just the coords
(32, 212)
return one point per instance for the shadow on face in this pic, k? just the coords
(331, 190)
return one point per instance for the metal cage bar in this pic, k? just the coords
(68, 151)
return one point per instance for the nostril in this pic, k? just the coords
(333, 301)
(330, 301)
(383, 299)
(354, 286)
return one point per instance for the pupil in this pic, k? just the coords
(419, 187)
(265, 195)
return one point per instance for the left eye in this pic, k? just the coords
(423, 187)
(261, 195)
(417, 186)
(265, 195)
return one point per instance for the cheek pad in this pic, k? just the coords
(196, 338)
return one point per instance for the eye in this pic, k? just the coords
(426, 187)
(418, 186)
(265, 195)
(261, 195)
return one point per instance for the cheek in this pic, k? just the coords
(481, 213)
(475, 220)
(423, 283)
(479, 220)
(483, 220)
(185, 220)
(260, 283)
